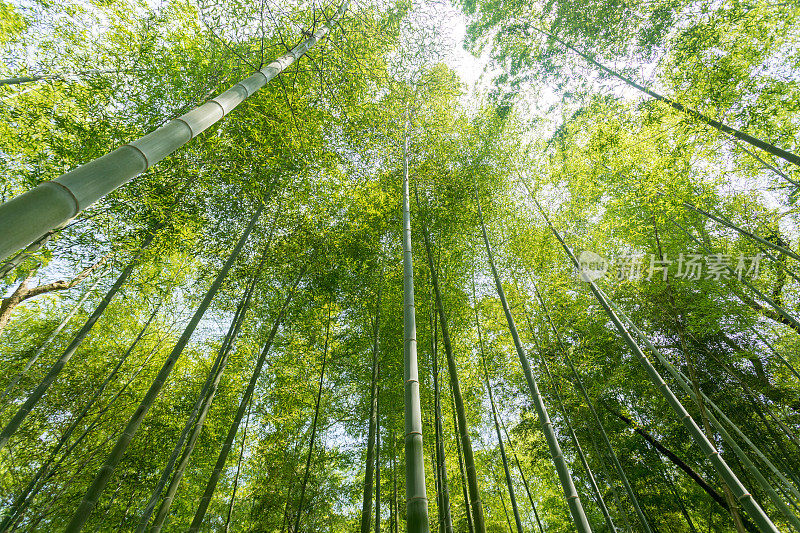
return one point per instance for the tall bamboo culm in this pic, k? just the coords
(416, 492)
(366, 505)
(28, 216)
(562, 469)
(719, 126)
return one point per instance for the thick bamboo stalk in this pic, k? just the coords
(416, 492)
(562, 469)
(101, 479)
(26, 217)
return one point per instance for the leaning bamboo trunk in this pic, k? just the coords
(56, 369)
(416, 493)
(101, 479)
(18, 80)
(564, 476)
(467, 505)
(578, 448)
(366, 506)
(206, 393)
(205, 500)
(744, 497)
(522, 475)
(28, 216)
(749, 139)
(780, 315)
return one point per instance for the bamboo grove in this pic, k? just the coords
(292, 267)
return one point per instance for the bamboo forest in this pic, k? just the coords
(418, 266)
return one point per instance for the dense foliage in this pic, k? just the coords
(700, 229)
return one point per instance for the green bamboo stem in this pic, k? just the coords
(617, 465)
(416, 495)
(562, 469)
(28, 216)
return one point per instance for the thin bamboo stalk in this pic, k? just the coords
(562, 469)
